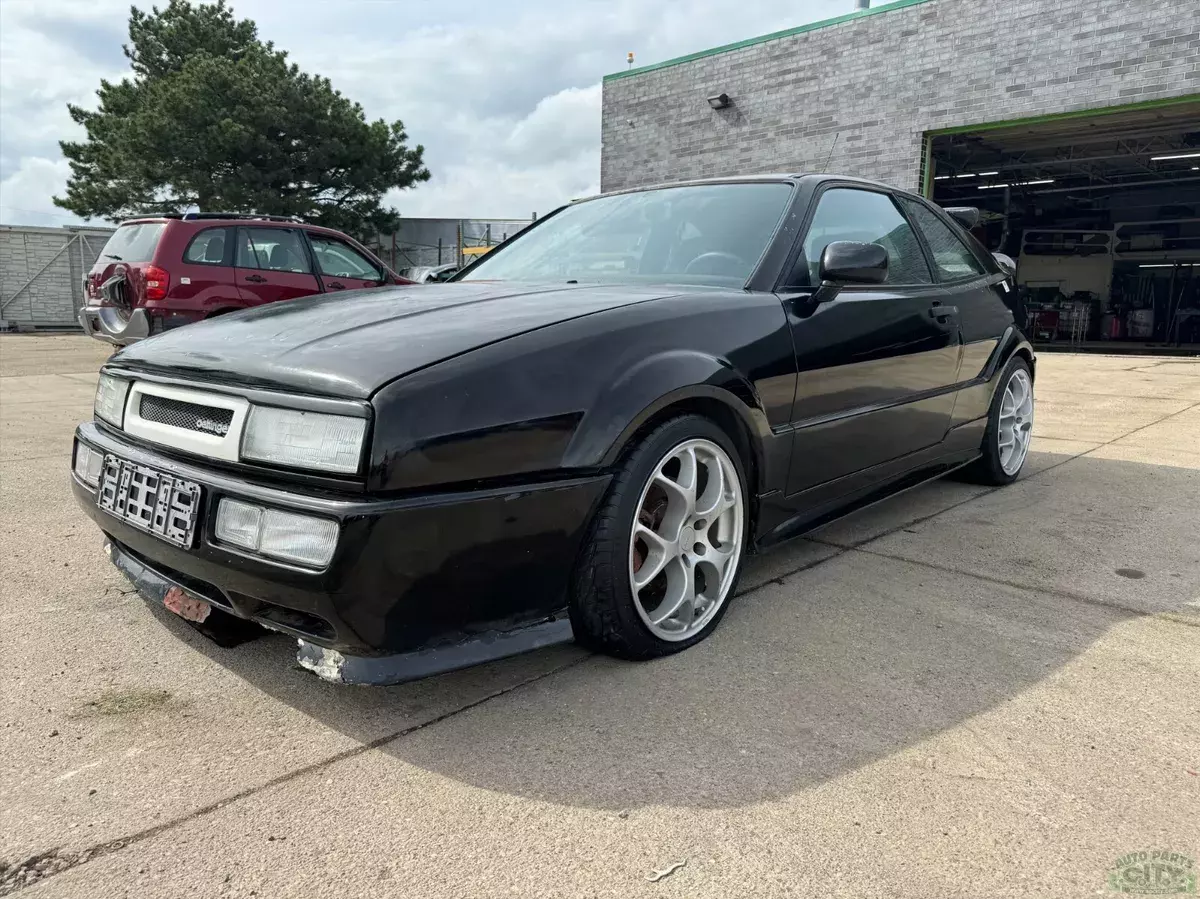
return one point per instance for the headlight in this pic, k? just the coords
(277, 534)
(110, 399)
(304, 439)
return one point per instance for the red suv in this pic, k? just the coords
(160, 272)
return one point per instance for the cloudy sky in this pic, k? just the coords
(504, 95)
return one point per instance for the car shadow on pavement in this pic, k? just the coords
(849, 660)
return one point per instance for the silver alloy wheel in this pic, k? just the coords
(1016, 421)
(687, 539)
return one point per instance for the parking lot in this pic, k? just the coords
(960, 692)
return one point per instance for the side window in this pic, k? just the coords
(951, 257)
(338, 259)
(866, 217)
(207, 247)
(271, 249)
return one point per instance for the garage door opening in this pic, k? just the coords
(1101, 214)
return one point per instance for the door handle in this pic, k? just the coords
(336, 285)
(939, 311)
(257, 279)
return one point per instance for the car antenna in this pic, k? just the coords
(831, 149)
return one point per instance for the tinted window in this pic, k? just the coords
(865, 217)
(950, 255)
(335, 258)
(703, 234)
(133, 243)
(271, 249)
(207, 247)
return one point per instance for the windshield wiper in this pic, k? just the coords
(113, 256)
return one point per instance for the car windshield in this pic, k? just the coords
(133, 243)
(710, 234)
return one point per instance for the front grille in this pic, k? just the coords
(189, 416)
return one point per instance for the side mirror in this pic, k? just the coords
(1006, 263)
(847, 261)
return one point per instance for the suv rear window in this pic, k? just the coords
(134, 243)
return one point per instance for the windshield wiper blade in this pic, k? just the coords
(113, 256)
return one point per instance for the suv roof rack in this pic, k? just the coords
(245, 216)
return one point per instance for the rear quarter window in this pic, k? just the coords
(209, 247)
(134, 242)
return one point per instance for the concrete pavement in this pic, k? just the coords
(960, 692)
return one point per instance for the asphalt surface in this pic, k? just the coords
(960, 692)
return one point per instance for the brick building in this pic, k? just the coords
(1074, 125)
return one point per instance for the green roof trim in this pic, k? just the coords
(1068, 116)
(774, 36)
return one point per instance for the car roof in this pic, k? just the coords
(792, 177)
(223, 220)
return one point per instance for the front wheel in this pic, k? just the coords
(665, 550)
(1009, 429)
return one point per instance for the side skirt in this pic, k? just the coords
(807, 515)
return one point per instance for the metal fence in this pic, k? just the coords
(419, 242)
(41, 274)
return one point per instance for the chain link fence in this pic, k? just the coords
(433, 242)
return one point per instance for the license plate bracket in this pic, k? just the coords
(160, 504)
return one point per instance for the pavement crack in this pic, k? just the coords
(49, 863)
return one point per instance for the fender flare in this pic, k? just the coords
(653, 386)
(1011, 342)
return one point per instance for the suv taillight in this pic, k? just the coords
(157, 282)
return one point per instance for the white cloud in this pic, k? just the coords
(25, 194)
(504, 97)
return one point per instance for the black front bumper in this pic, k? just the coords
(418, 584)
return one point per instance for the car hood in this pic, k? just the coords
(351, 344)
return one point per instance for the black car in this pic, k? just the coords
(581, 436)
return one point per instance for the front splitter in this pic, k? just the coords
(341, 668)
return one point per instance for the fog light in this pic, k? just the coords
(277, 534)
(88, 463)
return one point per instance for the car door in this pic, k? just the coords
(877, 363)
(204, 278)
(978, 289)
(342, 267)
(273, 264)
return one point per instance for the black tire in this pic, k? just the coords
(602, 604)
(987, 468)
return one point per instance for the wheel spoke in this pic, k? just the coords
(682, 490)
(681, 589)
(714, 500)
(658, 553)
(718, 559)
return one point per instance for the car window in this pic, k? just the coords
(133, 243)
(207, 247)
(951, 257)
(698, 234)
(271, 249)
(866, 217)
(342, 260)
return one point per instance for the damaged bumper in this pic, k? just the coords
(417, 585)
(106, 323)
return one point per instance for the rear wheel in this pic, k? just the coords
(1009, 429)
(666, 548)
